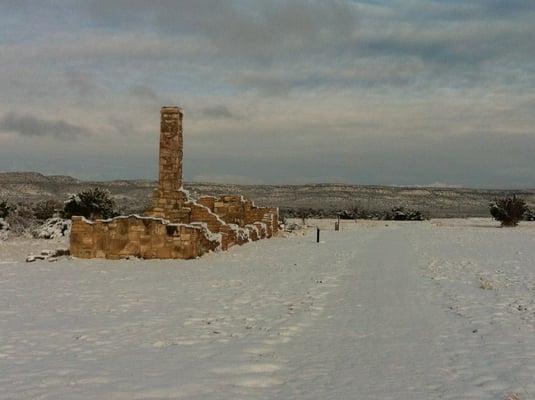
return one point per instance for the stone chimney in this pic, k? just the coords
(168, 198)
(171, 145)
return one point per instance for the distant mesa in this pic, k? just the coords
(35, 177)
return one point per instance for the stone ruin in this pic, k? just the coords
(175, 226)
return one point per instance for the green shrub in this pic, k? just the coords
(92, 203)
(508, 210)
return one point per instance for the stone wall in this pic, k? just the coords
(141, 237)
(175, 226)
(234, 209)
(231, 234)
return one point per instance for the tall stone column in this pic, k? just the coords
(168, 198)
(171, 145)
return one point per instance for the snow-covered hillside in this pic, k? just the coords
(132, 196)
(380, 310)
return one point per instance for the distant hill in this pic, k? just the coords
(134, 195)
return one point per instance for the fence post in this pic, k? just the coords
(317, 235)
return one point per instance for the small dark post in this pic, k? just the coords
(317, 235)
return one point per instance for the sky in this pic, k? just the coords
(400, 92)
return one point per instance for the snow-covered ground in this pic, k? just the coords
(380, 310)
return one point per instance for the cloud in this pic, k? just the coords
(142, 91)
(81, 82)
(501, 9)
(267, 82)
(29, 125)
(251, 28)
(470, 43)
(369, 91)
(478, 159)
(278, 47)
(217, 112)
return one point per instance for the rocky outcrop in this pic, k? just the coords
(53, 228)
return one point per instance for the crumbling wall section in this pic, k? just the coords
(201, 213)
(142, 237)
(235, 209)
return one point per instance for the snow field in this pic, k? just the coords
(378, 310)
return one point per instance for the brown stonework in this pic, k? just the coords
(234, 209)
(169, 196)
(202, 214)
(253, 233)
(175, 226)
(141, 237)
(171, 148)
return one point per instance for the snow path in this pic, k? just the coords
(372, 312)
(380, 316)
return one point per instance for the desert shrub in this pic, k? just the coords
(529, 215)
(20, 218)
(349, 214)
(360, 213)
(282, 217)
(46, 209)
(126, 206)
(91, 203)
(5, 209)
(4, 229)
(395, 214)
(508, 210)
(303, 213)
(400, 214)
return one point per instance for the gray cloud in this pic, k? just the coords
(455, 44)
(217, 112)
(405, 91)
(142, 91)
(501, 8)
(479, 159)
(465, 10)
(278, 46)
(267, 83)
(253, 30)
(29, 125)
(81, 82)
